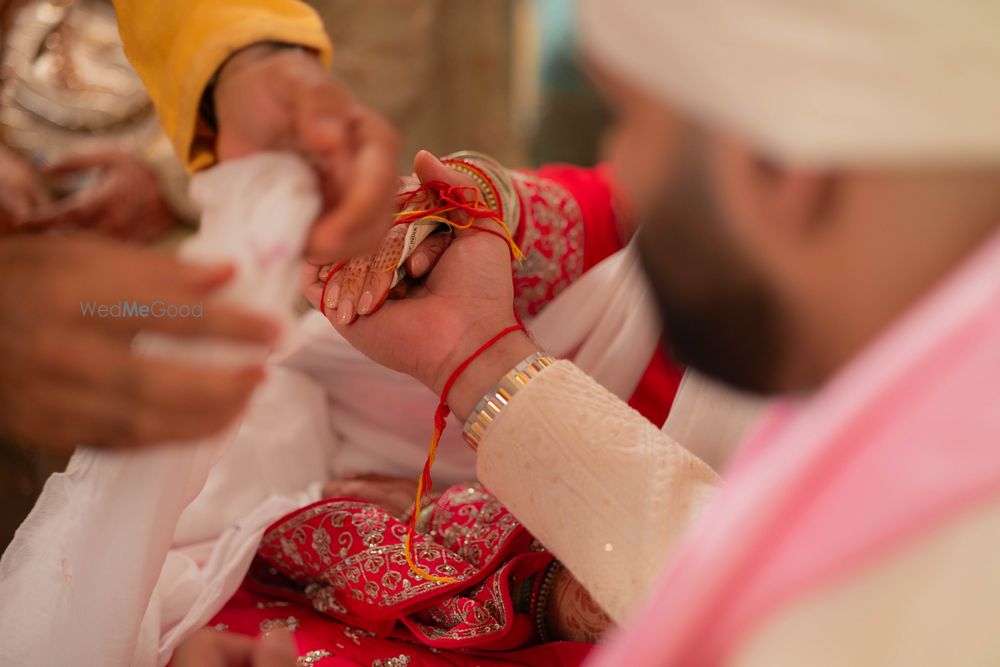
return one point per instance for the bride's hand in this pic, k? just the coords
(393, 494)
(465, 300)
(572, 614)
(362, 285)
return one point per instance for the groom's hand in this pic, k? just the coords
(270, 97)
(467, 299)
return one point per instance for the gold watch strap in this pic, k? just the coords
(494, 402)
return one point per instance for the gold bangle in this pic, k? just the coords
(493, 403)
(506, 190)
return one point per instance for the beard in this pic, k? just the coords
(719, 315)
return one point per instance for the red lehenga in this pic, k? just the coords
(335, 571)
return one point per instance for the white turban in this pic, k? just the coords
(822, 82)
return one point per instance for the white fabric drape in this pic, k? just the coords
(77, 583)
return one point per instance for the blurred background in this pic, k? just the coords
(498, 76)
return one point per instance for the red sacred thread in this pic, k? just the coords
(424, 483)
(452, 198)
(476, 169)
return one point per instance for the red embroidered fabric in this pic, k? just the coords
(572, 220)
(335, 572)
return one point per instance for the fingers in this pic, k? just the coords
(368, 490)
(349, 488)
(112, 397)
(211, 648)
(298, 106)
(181, 314)
(62, 416)
(427, 254)
(85, 161)
(166, 295)
(275, 649)
(331, 277)
(393, 494)
(22, 199)
(429, 168)
(312, 284)
(347, 292)
(83, 209)
(363, 212)
(323, 115)
(382, 271)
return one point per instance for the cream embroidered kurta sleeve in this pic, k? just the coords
(606, 491)
(176, 46)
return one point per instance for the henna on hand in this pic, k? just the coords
(572, 613)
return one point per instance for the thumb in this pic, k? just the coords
(429, 168)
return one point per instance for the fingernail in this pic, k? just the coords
(345, 312)
(419, 263)
(365, 304)
(332, 295)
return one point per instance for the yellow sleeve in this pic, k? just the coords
(176, 46)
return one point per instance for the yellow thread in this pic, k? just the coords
(514, 249)
(408, 548)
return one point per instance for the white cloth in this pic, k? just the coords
(825, 82)
(77, 583)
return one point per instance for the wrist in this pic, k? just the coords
(254, 53)
(238, 61)
(485, 371)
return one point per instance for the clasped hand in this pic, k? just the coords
(465, 296)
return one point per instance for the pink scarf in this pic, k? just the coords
(901, 441)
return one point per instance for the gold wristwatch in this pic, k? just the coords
(494, 402)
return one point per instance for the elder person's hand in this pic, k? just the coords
(466, 299)
(393, 494)
(269, 97)
(125, 202)
(211, 648)
(22, 192)
(69, 376)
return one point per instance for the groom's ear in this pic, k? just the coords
(769, 203)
